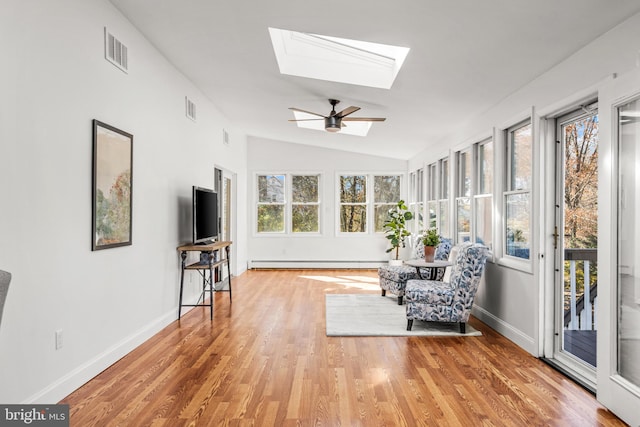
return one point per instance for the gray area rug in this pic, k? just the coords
(377, 316)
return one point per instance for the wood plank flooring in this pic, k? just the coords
(265, 361)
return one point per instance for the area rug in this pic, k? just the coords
(374, 315)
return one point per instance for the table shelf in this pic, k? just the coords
(215, 261)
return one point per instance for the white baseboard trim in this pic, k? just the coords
(257, 264)
(505, 329)
(70, 382)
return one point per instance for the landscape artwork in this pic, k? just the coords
(112, 186)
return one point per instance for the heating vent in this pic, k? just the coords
(225, 137)
(190, 108)
(115, 51)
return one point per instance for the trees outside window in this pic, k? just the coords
(305, 204)
(357, 203)
(386, 194)
(353, 203)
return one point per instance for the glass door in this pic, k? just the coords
(576, 240)
(618, 370)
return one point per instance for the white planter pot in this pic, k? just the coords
(395, 262)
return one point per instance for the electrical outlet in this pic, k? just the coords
(58, 339)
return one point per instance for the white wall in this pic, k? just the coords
(268, 156)
(510, 300)
(54, 80)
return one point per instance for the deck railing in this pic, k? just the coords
(581, 311)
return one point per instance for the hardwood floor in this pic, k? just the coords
(266, 361)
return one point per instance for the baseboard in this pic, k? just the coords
(70, 382)
(313, 264)
(505, 329)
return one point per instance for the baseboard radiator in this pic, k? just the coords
(313, 264)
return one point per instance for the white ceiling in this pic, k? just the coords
(466, 55)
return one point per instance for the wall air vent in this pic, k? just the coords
(190, 108)
(225, 137)
(115, 52)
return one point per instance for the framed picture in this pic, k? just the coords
(112, 187)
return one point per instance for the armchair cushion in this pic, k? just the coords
(429, 292)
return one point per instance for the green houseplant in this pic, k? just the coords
(395, 227)
(430, 240)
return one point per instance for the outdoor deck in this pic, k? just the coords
(582, 344)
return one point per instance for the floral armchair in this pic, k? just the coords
(439, 301)
(394, 278)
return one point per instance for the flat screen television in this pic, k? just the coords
(205, 215)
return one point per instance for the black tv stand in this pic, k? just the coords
(208, 262)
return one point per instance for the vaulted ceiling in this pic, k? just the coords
(466, 56)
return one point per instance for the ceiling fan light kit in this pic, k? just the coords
(333, 122)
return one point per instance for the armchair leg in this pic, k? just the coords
(400, 300)
(463, 328)
(409, 324)
(384, 292)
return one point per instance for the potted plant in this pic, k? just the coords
(430, 240)
(395, 228)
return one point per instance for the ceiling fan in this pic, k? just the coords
(333, 122)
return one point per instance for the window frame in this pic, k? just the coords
(480, 193)
(507, 259)
(417, 199)
(259, 203)
(431, 196)
(316, 203)
(464, 190)
(369, 203)
(287, 204)
(444, 190)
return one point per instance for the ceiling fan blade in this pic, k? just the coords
(364, 119)
(303, 120)
(347, 111)
(305, 111)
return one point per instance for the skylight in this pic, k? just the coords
(349, 128)
(337, 60)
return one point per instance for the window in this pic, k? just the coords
(301, 210)
(271, 203)
(357, 203)
(353, 203)
(432, 196)
(443, 201)
(483, 197)
(386, 194)
(416, 200)
(517, 197)
(305, 204)
(463, 196)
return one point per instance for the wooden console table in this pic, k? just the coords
(208, 262)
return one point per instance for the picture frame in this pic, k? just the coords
(112, 189)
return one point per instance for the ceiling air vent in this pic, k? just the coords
(115, 52)
(190, 108)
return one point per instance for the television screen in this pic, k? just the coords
(205, 215)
